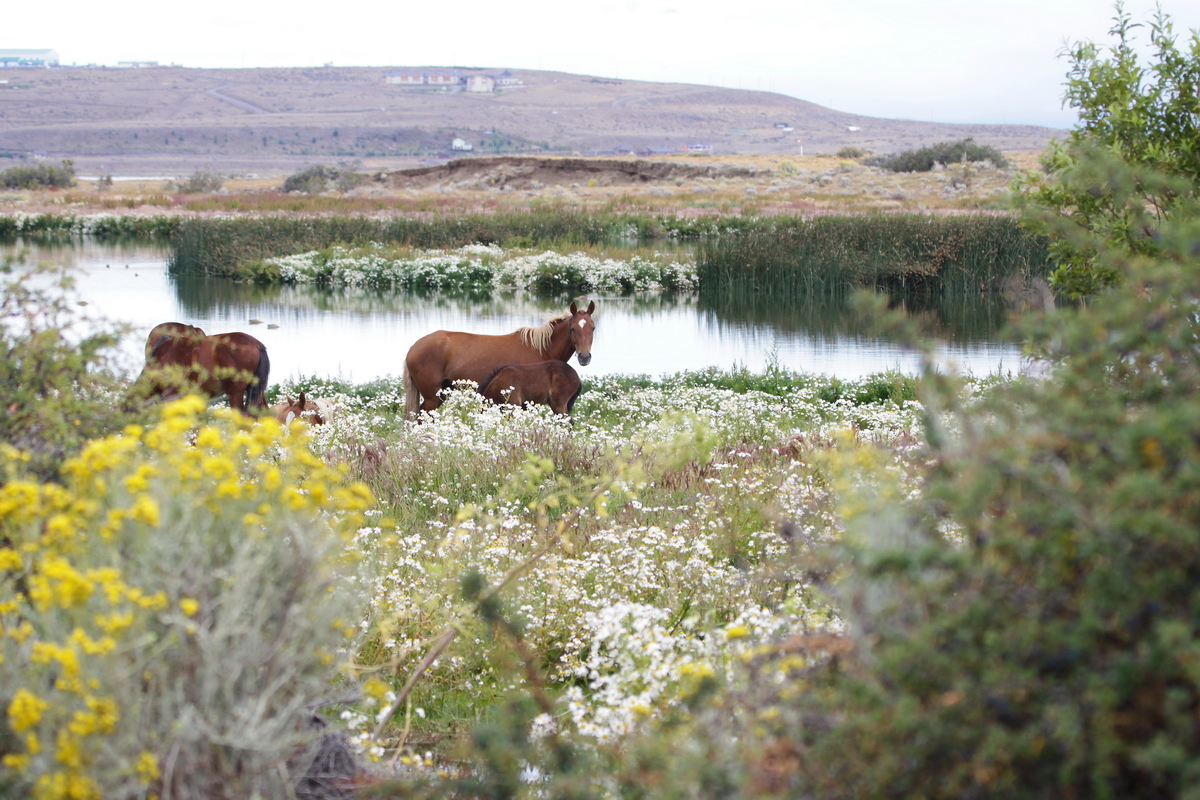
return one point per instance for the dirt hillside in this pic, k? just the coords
(169, 121)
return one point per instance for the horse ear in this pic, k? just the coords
(302, 399)
(574, 308)
(591, 306)
(290, 401)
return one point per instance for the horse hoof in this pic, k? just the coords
(256, 322)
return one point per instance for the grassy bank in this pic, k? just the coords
(225, 246)
(790, 256)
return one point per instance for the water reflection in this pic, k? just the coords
(958, 320)
(360, 335)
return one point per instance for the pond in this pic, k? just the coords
(360, 335)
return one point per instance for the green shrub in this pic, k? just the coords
(317, 179)
(39, 176)
(923, 159)
(850, 151)
(1029, 631)
(200, 181)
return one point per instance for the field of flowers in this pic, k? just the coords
(607, 566)
(651, 540)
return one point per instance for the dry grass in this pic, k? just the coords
(817, 184)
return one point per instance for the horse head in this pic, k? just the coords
(581, 329)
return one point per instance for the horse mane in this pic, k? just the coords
(538, 338)
(488, 379)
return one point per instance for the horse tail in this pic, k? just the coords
(255, 395)
(412, 396)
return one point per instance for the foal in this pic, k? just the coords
(551, 383)
(316, 411)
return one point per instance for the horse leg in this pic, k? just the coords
(237, 395)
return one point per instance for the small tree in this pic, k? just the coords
(57, 379)
(1129, 113)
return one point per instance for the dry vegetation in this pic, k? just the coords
(737, 185)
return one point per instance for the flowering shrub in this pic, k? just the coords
(173, 611)
(475, 267)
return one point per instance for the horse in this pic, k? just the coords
(181, 358)
(316, 411)
(551, 383)
(435, 361)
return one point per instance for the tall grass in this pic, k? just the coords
(105, 226)
(825, 255)
(224, 246)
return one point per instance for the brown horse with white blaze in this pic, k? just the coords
(435, 361)
(181, 358)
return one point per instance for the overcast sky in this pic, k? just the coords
(983, 61)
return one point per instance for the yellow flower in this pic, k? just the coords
(15, 762)
(189, 606)
(45, 652)
(209, 437)
(93, 647)
(375, 688)
(146, 510)
(70, 586)
(147, 767)
(20, 633)
(139, 481)
(10, 559)
(25, 710)
(114, 622)
(101, 717)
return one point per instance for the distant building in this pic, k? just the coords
(408, 78)
(446, 78)
(461, 144)
(506, 78)
(136, 64)
(853, 128)
(17, 57)
(481, 83)
(697, 148)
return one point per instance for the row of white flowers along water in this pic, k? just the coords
(674, 584)
(480, 266)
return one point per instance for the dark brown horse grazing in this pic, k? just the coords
(442, 357)
(180, 358)
(551, 383)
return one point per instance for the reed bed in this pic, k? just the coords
(104, 226)
(225, 246)
(906, 252)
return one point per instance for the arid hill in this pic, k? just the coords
(167, 121)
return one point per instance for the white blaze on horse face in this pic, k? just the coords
(583, 324)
